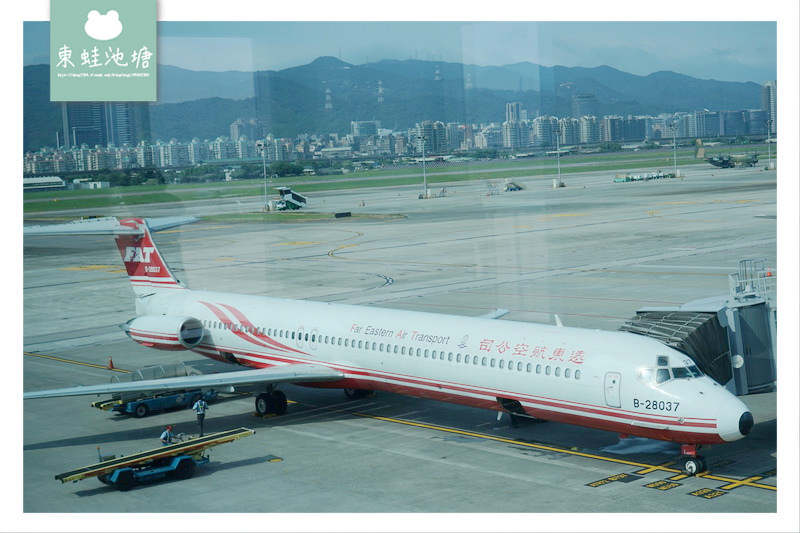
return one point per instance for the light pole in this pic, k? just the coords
(675, 149)
(424, 175)
(558, 154)
(261, 146)
(769, 147)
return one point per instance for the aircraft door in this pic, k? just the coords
(612, 385)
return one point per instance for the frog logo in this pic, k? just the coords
(103, 27)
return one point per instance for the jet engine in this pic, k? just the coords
(165, 332)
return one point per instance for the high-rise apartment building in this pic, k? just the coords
(101, 123)
(585, 105)
(769, 103)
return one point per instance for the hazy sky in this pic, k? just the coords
(726, 50)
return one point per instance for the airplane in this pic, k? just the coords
(610, 380)
(724, 161)
(736, 160)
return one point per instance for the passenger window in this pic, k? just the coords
(662, 375)
(547, 370)
(483, 362)
(558, 371)
(425, 354)
(566, 373)
(466, 359)
(491, 363)
(519, 367)
(538, 369)
(501, 364)
(577, 374)
(528, 368)
(458, 358)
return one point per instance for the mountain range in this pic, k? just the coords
(292, 101)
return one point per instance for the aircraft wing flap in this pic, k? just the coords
(298, 373)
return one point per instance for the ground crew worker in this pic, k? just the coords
(200, 407)
(167, 436)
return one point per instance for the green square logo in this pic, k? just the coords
(103, 51)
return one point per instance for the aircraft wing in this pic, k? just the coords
(106, 226)
(494, 315)
(298, 373)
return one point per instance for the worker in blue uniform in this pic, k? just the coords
(200, 407)
(167, 436)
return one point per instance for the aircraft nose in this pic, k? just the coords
(745, 423)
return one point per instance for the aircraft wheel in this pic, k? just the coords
(692, 466)
(279, 402)
(356, 394)
(140, 411)
(125, 480)
(264, 404)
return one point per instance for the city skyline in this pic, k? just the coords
(722, 50)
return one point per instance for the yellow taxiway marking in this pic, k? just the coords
(295, 243)
(645, 467)
(70, 361)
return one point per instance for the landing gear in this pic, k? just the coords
(271, 403)
(691, 464)
(356, 394)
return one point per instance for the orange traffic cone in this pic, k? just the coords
(110, 364)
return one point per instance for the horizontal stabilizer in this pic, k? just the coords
(298, 373)
(106, 226)
(497, 313)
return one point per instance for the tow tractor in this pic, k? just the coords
(177, 461)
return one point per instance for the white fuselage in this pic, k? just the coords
(592, 378)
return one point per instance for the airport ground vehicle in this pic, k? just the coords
(171, 400)
(140, 404)
(177, 461)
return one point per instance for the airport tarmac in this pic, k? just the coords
(592, 253)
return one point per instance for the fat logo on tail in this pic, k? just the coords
(146, 268)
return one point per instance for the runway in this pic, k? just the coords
(592, 253)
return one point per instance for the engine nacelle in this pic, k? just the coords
(165, 332)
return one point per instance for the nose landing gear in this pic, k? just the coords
(691, 464)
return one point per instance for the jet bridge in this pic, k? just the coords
(732, 338)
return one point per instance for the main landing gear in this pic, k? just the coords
(271, 402)
(690, 463)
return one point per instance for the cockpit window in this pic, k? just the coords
(662, 360)
(680, 372)
(646, 375)
(662, 375)
(695, 371)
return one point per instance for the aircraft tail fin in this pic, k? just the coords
(147, 269)
(699, 150)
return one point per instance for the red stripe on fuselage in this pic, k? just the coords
(486, 399)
